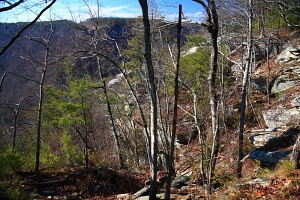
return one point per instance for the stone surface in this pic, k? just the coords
(289, 54)
(259, 181)
(296, 102)
(286, 79)
(269, 156)
(280, 117)
(259, 83)
(273, 145)
(261, 139)
(180, 181)
(274, 138)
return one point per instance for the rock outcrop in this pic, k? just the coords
(285, 79)
(273, 145)
(280, 117)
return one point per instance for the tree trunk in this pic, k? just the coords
(212, 25)
(295, 157)
(44, 67)
(39, 123)
(244, 93)
(152, 154)
(174, 123)
(112, 121)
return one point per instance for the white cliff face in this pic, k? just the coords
(116, 82)
(190, 51)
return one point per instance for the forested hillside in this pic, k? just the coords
(119, 108)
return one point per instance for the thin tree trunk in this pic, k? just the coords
(1, 81)
(153, 109)
(39, 123)
(174, 123)
(244, 93)
(212, 25)
(86, 152)
(213, 93)
(295, 157)
(16, 115)
(45, 66)
(15, 127)
(108, 104)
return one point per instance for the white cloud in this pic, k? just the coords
(118, 11)
(71, 11)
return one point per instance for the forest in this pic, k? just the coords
(146, 108)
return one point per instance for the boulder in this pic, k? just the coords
(274, 139)
(259, 181)
(261, 139)
(273, 146)
(286, 79)
(269, 156)
(296, 102)
(280, 117)
(289, 54)
(187, 137)
(180, 181)
(259, 83)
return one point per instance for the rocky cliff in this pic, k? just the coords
(275, 85)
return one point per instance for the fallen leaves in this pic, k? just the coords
(280, 188)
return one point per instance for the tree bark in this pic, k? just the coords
(152, 153)
(244, 93)
(295, 157)
(110, 113)
(212, 26)
(174, 122)
(39, 123)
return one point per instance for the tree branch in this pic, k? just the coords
(11, 6)
(25, 28)
(6, 71)
(1, 82)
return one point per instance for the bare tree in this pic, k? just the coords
(174, 122)
(15, 109)
(213, 28)
(42, 63)
(244, 85)
(152, 152)
(289, 11)
(97, 40)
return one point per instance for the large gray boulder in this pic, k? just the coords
(269, 156)
(181, 181)
(262, 138)
(286, 79)
(273, 146)
(289, 55)
(280, 117)
(273, 140)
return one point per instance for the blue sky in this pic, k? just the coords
(108, 8)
